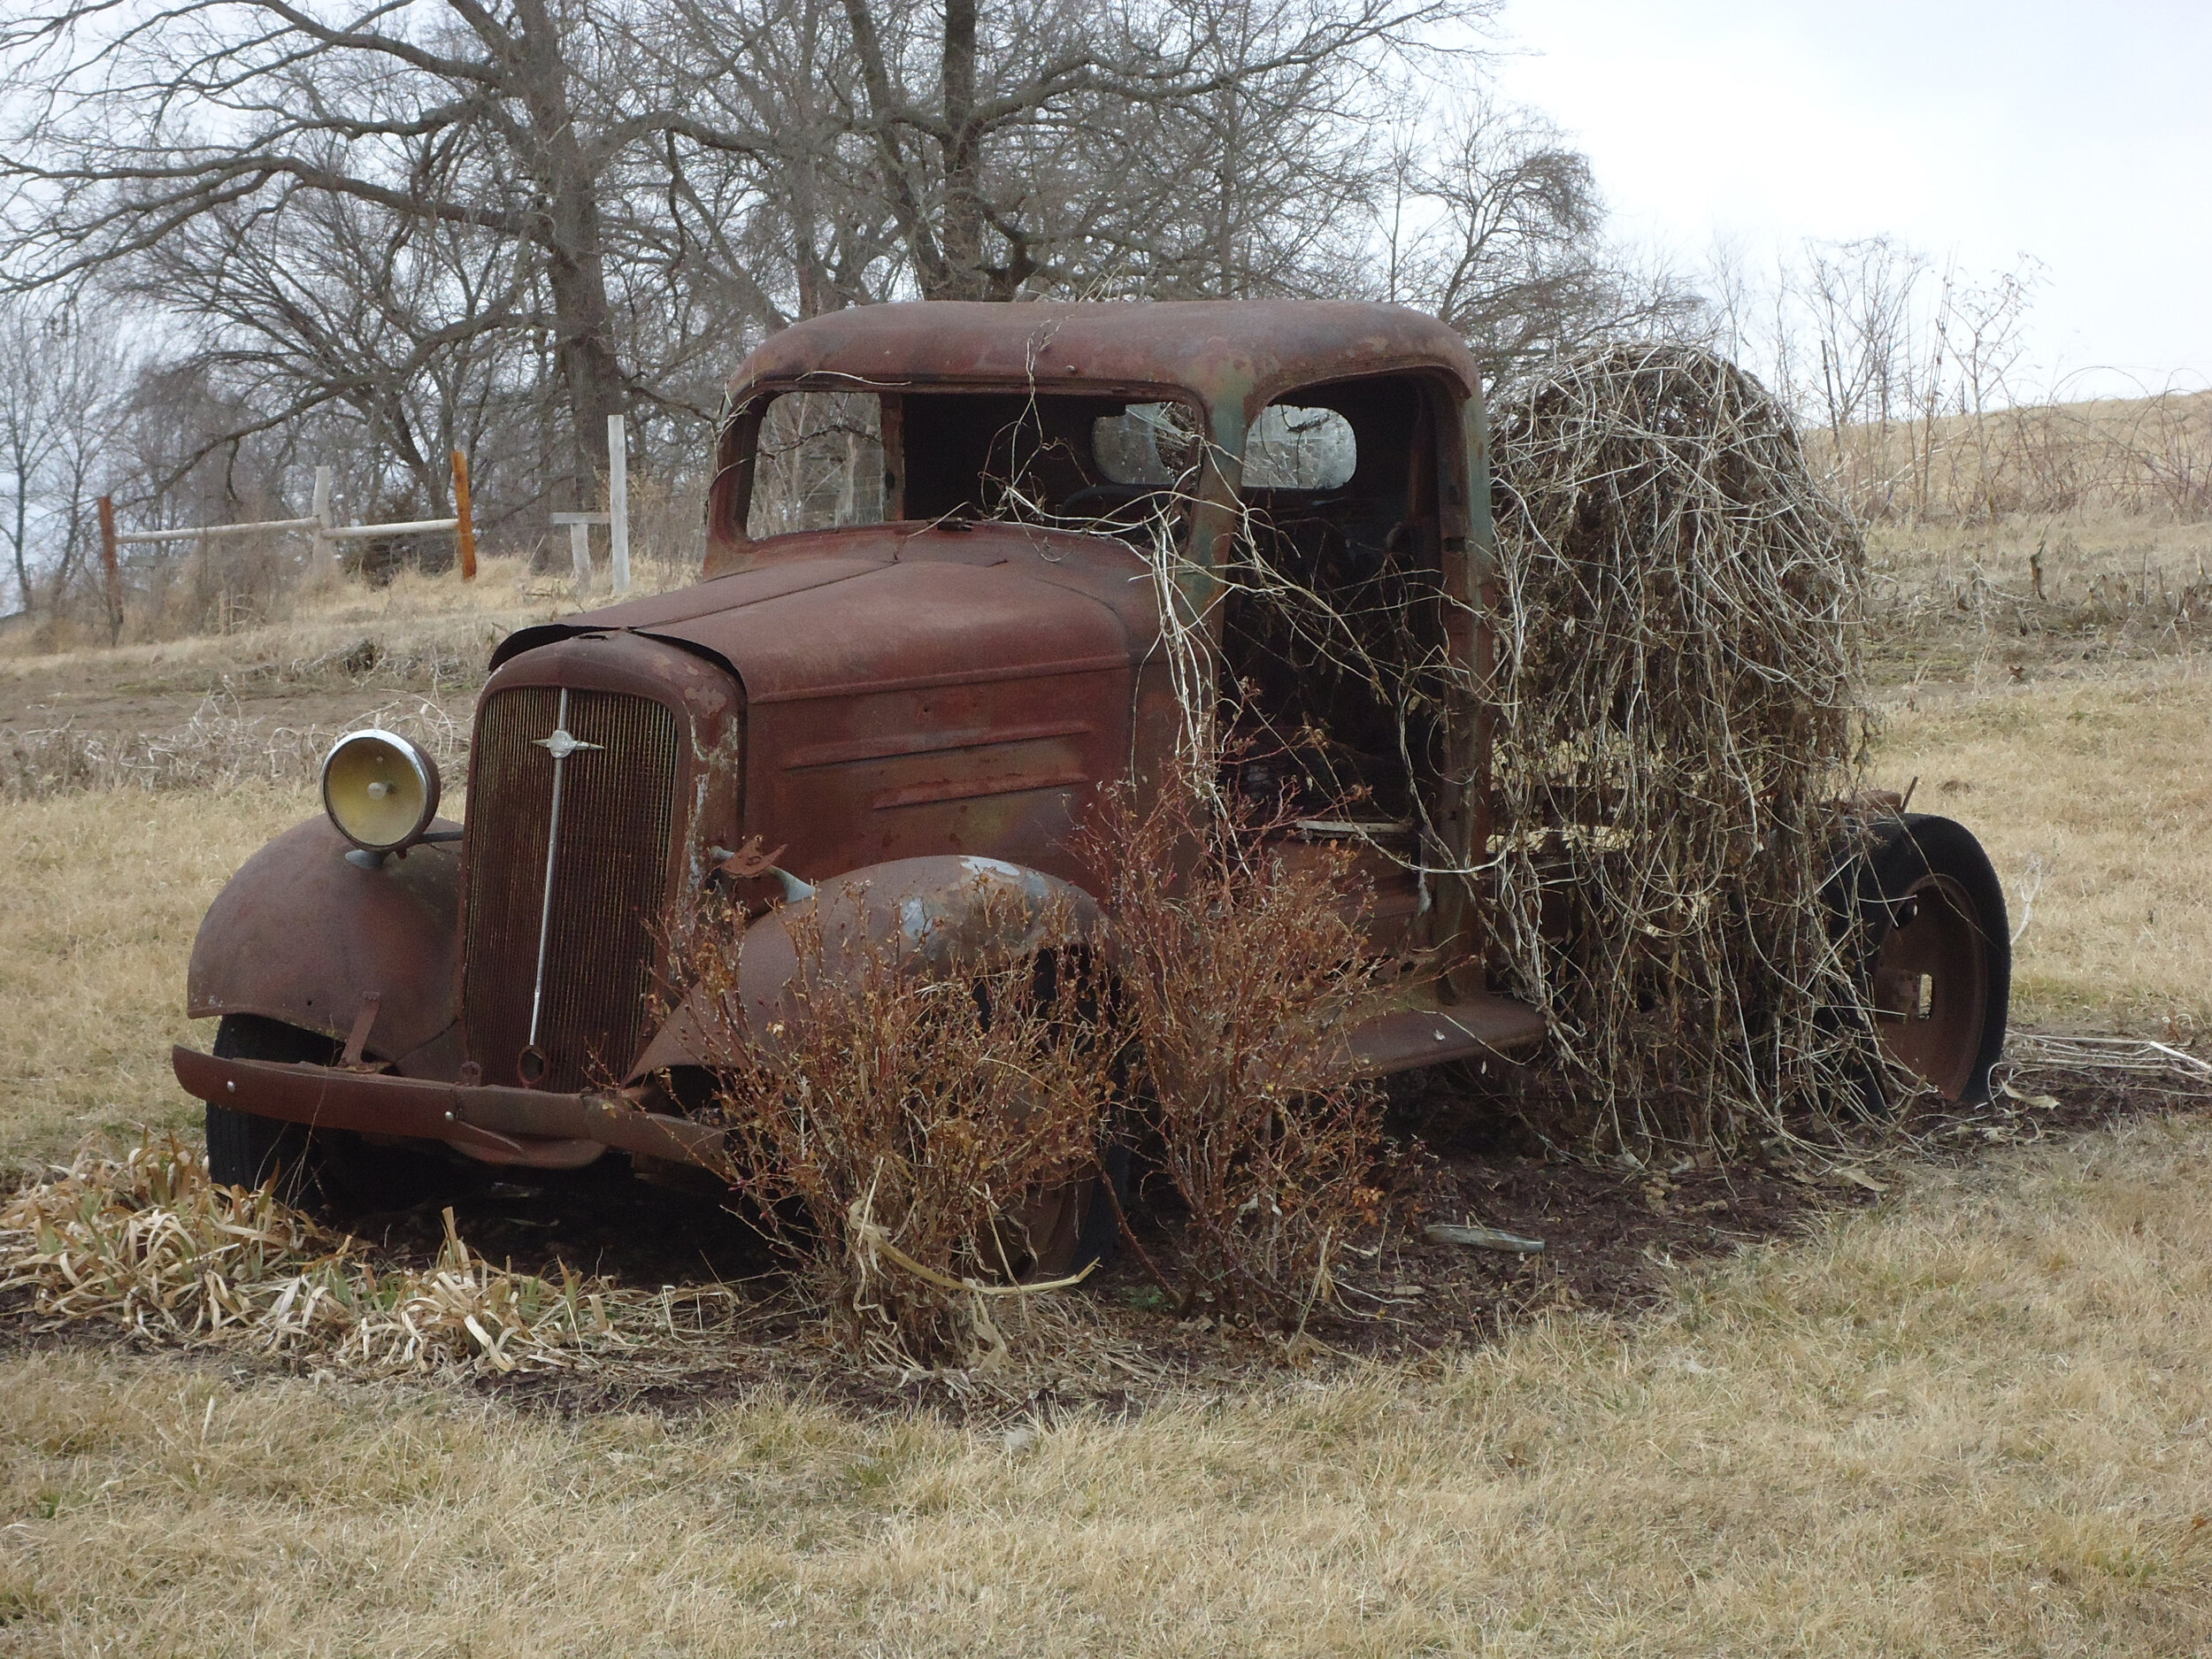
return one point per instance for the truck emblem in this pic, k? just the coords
(561, 745)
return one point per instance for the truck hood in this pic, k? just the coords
(835, 612)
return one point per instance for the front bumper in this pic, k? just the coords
(542, 1130)
(495, 1125)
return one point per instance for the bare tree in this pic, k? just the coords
(1980, 323)
(348, 195)
(313, 302)
(63, 382)
(1889, 356)
(1039, 145)
(506, 117)
(1499, 231)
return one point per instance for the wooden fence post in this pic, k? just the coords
(464, 528)
(319, 510)
(111, 568)
(619, 501)
(580, 554)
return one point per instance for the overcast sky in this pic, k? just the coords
(2080, 133)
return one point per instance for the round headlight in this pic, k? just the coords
(380, 790)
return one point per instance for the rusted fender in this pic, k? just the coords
(940, 910)
(301, 935)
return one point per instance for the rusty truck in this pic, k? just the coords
(928, 629)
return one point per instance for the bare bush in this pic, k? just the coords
(1681, 714)
(1240, 973)
(917, 1119)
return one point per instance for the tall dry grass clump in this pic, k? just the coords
(1239, 973)
(1679, 715)
(147, 1240)
(917, 1117)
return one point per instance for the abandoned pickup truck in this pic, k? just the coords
(928, 631)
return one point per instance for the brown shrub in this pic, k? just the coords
(907, 1117)
(1239, 973)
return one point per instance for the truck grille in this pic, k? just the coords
(610, 882)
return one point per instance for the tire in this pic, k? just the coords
(246, 1150)
(1070, 1227)
(1100, 1241)
(1936, 955)
(1075, 1226)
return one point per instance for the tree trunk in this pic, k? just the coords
(22, 532)
(961, 241)
(575, 252)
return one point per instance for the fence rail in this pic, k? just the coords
(317, 524)
(128, 538)
(412, 527)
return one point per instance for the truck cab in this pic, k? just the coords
(967, 566)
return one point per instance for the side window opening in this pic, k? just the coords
(1157, 445)
(1293, 447)
(1334, 633)
(818, 464)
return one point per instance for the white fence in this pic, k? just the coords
(462, 527)
(616, 518)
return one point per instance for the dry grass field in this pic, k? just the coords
(2105, 458)
(2092, 796)
(1974, 1422)
(1974, 1417)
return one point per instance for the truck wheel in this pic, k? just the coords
(312, 1167)
(1937, 951)
(1064, 1228)
(1069, 1227)
(1100, 1241)
(247, 1150)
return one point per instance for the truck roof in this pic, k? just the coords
(1225, 352)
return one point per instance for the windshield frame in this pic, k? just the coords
(729, 495)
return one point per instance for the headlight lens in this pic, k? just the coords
(380, 790)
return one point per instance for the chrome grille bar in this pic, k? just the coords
(552, 860)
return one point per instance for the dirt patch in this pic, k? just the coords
(1613, 1237)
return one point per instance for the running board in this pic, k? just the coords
(1481, 1028)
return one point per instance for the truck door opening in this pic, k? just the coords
(1333, 639)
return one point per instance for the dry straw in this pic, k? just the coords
(1679, 716)
(148, 1241)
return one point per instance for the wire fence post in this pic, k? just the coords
(319, 510)
(111, 569)
(464, 527)
(619, 501)
(580, 525)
